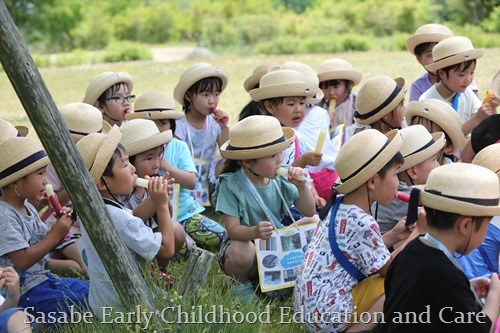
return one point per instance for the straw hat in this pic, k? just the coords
(283, 83)
(253, 80)
(310, 77)
(104, 81)
(7, 131)
(255, 137)
(495, 84)
(83, 119)
(338, 69)
(489, 157)
(453, 50)
(462, 188)
(443, 115)
(363, 156)
(97, 150)
(196, 73)
(20, 157)
(377, 97)
(428, 33)
(419, 145)
(154, 105)
(140, 135)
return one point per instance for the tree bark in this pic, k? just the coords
(196, 272)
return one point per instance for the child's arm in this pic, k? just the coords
(27, 257)
(222, 118)
(490, 308)
(318, 201)
(305, 203)
(238, 232)
(158, 192)
(10, 281)
(309, 158)
(185, 178)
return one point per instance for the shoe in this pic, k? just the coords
(244, 292)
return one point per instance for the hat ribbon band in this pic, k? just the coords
(427, 145)
(387, 101)
(282, 139)
(84, 133)
(476, 201)
(453, 55)
(153, 109)
(367, 162)
(22, 164)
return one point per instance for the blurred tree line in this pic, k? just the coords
(320, 25)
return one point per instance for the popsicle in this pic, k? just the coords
(487, 99)
(54, 202)
(284, 172)
(403, 196)
(321, 141)
(142, 182)
(331, 106)
(214, 112)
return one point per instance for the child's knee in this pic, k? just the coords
(241, 254)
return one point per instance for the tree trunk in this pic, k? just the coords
(196, 272)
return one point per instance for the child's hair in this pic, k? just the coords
(459, 67)
(110, 92)
(325, 84)
(172, 125)
(132, 158)
(207, 84)
(429, 124)
(253, 108)
(445, 221)
(422, 48)
(231, 166)
(119, 152)
(398, 159)
(276, 101)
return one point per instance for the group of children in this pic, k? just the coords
(375, 148)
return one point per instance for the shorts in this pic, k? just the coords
(5, 316)
(366, 293)
(207, 233)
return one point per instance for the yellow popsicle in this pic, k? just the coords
(284, 172)
(331, 106)
(321, 141)
(142, 182)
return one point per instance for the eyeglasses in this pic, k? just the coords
(122, 100)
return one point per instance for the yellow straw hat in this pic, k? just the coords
(428, 33)
(283, 83)
(451, 51)
(363, 156)
(20, 157)
(253, 80)
(256, 137)
(196, 73)
(83, 119)
(377, 97)
(7, 131)
(97, 150)
(489, 157)
(310, 77)
(103, 81)
(140, 135)
(154, 105)
(443, 115)
(338, 69)
(419, 145)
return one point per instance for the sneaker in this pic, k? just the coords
(244, 292)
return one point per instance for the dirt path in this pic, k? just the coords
(169, 54)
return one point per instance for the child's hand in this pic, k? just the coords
(61, 227)
(10, 281)
(484, 111)
(319, 202)
(294, 173)
(494, 101)
(264, 229)
(401, 231)
(480, 286)
(220, 117)
(158, 190)
(493, 286)
(312, 158)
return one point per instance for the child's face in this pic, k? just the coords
(148, 163)
(478, 236)
(205, 101)
(266, 166)
(395, 118)
(114, 110)
(423, 169)
(458, 80)
(162, 124)
(334, 89)
(386, 188)
(32, 186)
(290, 112)
(123, 180)
(426, 58)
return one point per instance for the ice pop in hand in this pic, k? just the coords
(405, 197)
(320, 142)
(54, 202)
(214, 112)
(331, 106)
(284, 172)
(487, 99)
(141, 182)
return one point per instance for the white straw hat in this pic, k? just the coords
(377, 97)
(428, 33)
(7, 131)
(451, 51)
(309, 75)
(489, 157)
(20, 157)
(338, 69)
(363, 156)
(255, 137)
(83, 119)
(283, 83)
(140, 135)
(102, 82)
(154, 105)
(419, 145)
(253, 80)
(443, 115)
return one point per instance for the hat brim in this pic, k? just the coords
(252, 81)
(495, 85)
(421, 156)
(248, 154)
(200, 74)
(416, 109)
(455, 59)
(105, 153)
(43, 162)
(106, 127)
(149, 143)
(283, 90)
(22, 130)
(415, 40)
(350, 75)
(154, 115)
(374, 166)
(92, 96)
(455, 206)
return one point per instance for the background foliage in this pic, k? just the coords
(278, 26)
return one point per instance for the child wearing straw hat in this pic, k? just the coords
(425, 279)
(178, 162)
(342, 273)
(251, 197)
(12, 318)
(114, 175)
(454, 62)
(438, 116)
(7, 131)
(379, 105)
(483, 261)
(26, 241)
(420, 150)
(110, 92)
(336, 80)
